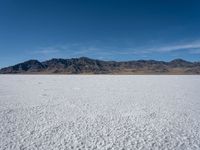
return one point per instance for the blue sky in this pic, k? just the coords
(102, 29)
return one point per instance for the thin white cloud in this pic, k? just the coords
(176, 47)
(102, 51)
(46, 51)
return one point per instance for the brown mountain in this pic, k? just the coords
(86, 65)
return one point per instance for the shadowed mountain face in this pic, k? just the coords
(86, 65)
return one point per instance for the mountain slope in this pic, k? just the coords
(84, 65)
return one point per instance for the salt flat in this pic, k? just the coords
(99, 112)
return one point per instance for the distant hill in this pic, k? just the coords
(84, 65)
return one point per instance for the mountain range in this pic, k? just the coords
(84, 65)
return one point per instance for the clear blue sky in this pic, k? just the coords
(102, 29)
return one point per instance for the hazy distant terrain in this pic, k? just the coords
(84, 65)
(99, 112)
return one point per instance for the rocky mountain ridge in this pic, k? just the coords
(84, 65)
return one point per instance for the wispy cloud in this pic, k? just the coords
(189, 46)
(96, 50)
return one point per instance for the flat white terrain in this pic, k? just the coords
(99, 112)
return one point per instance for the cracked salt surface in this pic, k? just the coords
(99, 112)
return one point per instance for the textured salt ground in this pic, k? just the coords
(99, 112)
